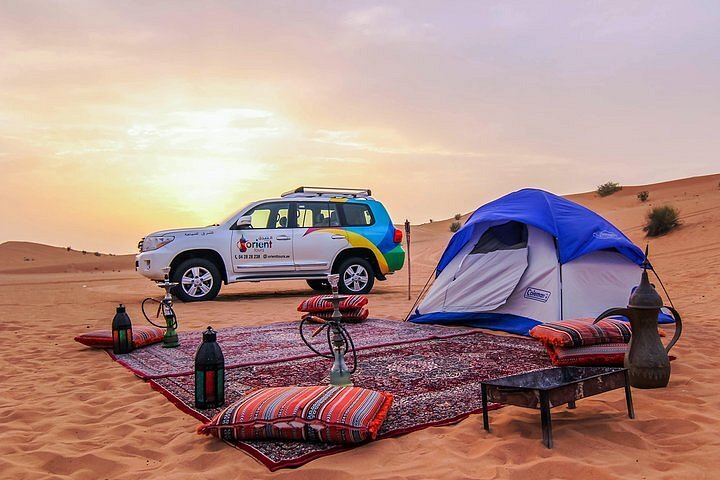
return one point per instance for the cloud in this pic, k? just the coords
(383, 23)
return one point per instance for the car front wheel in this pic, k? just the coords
(198, 280)
(356, 276)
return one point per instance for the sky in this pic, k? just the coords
(119, 118)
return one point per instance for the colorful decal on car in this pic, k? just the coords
(358, 241)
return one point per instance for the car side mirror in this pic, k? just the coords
(244, 222)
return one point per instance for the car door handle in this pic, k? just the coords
(282, 237)
(338, 237)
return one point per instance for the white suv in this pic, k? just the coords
(304, 234)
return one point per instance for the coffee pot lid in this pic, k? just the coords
(645, 295)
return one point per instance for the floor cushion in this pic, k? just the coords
(353, 315)
(142, 335)
(582, 332)
(607, 354)
(320, 303)
(314, 414)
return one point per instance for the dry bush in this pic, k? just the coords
(608, 188)
(661, 220)
(454, 226)
(643, 196)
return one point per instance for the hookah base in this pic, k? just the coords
(341, 380)
(170, 342)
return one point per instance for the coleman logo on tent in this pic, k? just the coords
(537, 294)
(606, 235)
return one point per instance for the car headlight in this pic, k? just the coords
(153, 243)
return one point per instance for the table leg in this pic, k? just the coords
(628, 396)
(486, 421)
(545, 419)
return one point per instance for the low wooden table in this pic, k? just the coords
(545, 389)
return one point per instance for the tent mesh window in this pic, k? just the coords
(508, 236)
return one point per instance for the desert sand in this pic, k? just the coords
(68, 411)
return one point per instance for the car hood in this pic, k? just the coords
(186, 232)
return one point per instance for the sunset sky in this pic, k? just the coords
(118, 118)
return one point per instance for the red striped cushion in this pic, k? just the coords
(319, 303)
(352, 315)
(315, 414)
(602, 354)
(142, 335)
(581, 331)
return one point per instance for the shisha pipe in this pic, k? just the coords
(338, 338)
(170, 339)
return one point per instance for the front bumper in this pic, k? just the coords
(151, 264)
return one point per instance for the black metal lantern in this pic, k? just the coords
(209, 372)
(122, 331)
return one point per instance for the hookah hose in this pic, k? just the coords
(340, 328)
(157, 314)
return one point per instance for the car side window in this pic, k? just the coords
(270, 215)
(357, 215)
(317, 215)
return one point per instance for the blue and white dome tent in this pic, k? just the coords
(527, 258)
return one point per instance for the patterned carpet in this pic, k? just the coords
(275, 342)
(435, 382)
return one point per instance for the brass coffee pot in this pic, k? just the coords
(646, 359)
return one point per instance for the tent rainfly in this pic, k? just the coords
(527, 258)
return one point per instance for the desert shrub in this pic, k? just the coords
(84, 252)
(97, 254)
(457, 216)
(660, 220)
(643, 196)
(608, 188)
(454, 226)
(68, 248)
(431, 220)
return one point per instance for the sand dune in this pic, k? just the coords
(70, 412)
(28, 257)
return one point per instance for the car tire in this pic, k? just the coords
(198, 280)
(319, 285)
(356, 276)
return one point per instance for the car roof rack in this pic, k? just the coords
(329, 191)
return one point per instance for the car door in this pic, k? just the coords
(318, 237)
(266, 245)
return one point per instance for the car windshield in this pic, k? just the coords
(234, 215)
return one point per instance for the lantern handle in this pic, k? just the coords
(623, 312)
(678, 328)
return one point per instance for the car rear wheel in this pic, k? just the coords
(319, 285)
(356, 276)
(198, 279)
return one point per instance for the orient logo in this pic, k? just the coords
(537, 294)
(260, 244)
